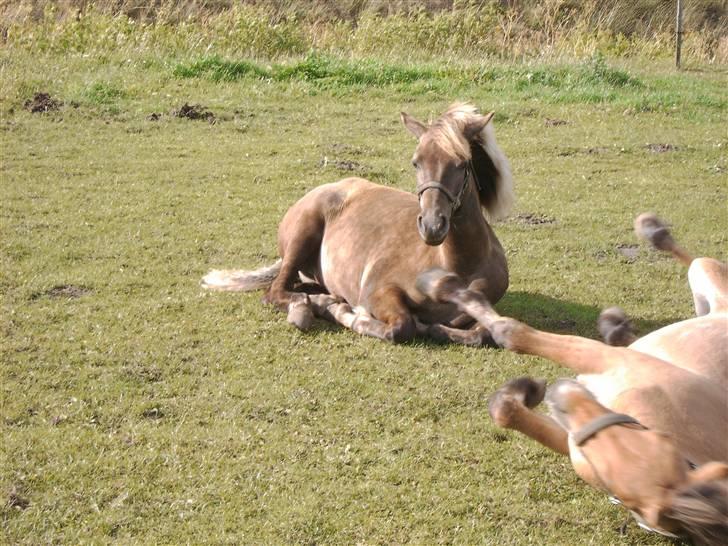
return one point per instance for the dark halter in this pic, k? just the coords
(455, 200)
(600, 423)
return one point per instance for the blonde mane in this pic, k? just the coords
(448, 133)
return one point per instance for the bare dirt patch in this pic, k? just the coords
(16, 500)
(548, 122)
(661, 148)
(341, 164)
(194, 112)
(41, 103)
(629, 251)
(349, 149)
(153, 413)
(532, 219)
(68, 291)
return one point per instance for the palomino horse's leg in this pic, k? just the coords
(616, 328)
(511, 407)
(708, 278)
(580, 354)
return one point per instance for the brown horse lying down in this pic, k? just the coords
(363, 245)
(649, 422)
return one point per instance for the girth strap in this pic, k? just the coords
(600, 423)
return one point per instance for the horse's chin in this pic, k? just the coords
(432, 241)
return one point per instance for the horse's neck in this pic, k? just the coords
(469, 238)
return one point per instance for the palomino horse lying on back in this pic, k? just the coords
(647, 422)
(363, 245)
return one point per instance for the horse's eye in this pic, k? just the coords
(415, 164)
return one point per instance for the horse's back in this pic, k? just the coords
(371, 241)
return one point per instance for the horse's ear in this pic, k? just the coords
(474, 128)
(415, 127)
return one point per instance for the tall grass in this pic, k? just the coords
(502, 29)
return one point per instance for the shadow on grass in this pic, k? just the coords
(566, 317)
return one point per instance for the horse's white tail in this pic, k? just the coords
(238, 280)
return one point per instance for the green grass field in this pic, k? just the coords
(137, 408)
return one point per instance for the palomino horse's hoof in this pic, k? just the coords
(300, 315)
(615, 327)
(439, 284)
(523, 391)
(651, 228)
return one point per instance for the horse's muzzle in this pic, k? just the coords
(558, 399)
(433, 227)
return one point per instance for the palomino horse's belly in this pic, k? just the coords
(699, 344)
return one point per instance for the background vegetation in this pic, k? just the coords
(142, 145)
(508, 29)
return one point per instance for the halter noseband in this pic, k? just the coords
(600, 423)
(455, 200)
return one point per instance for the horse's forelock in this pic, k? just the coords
(702, 510)
(448, 134)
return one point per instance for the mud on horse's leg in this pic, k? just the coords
(511, 407)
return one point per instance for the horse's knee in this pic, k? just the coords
(402, 330)
(504, 332)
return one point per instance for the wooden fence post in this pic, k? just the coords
(678, 34)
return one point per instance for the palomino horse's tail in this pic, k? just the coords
(653, 229)
(238, 280)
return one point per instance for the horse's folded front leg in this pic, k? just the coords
(511, 407)
(357, 320)
(478, 336)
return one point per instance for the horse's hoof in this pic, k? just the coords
(438, 284)
(300, 315)
(651, 228)
(615, 327)
(506, 401)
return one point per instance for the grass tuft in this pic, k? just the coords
(103, 93)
